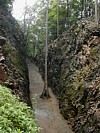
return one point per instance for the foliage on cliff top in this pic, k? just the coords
(15, 116)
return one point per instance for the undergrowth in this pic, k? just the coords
(15, 116)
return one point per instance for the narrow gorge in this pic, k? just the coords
(13, 68)
(73, 79)
(16, 115)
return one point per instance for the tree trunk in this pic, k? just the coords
(67, 13)
(82, 4)
(33, 52)
(96, 12)
(57, 22)
(85, 8)
(99, 12)
(45, 93)
(25, 17)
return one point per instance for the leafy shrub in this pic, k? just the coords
(15, 116)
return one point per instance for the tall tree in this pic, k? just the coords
(45, 93)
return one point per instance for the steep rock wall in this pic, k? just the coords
(13, 68)
(74, 75)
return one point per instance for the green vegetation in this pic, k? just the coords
(14, 56)
(15, 116)
(62, 14)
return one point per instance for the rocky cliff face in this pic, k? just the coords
(74, 75)
(13, 68)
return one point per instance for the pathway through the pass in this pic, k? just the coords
(47, 112)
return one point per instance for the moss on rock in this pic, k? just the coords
(74, 75)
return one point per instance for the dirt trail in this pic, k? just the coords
(47, 111)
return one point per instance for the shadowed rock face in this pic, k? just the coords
(2, 40)
(13, 68)
(74, 75)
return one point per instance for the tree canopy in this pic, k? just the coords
(61, 15)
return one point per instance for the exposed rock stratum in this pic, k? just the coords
(74, 75)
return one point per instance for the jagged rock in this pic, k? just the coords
(13, 69)
(74, 75)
